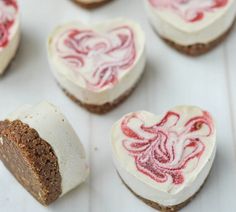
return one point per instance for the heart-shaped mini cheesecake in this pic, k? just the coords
(192, 26)
(165, 159)
(99, 65)
(9, 32)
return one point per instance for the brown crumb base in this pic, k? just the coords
(199, 48)
(31, 160)
(162, 208)
(105, 108)
(91, 5)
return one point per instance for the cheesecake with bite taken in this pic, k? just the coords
(164, 160)
(192, 27)
(98, 66)
(42, 151)
(9, 31)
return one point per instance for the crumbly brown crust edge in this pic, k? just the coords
(92, 5)
(199, 48)
(36, 155)
(162, 208)
(104, 108)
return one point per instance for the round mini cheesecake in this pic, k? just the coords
(10, 32)
(40, 148)
(164, 160)
(192, 27)
(98, 66)
(89, 4)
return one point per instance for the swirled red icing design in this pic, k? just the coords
(190, 10)
(98, 58)
(163, 151)
(8, 10)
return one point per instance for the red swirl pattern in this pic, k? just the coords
(98, 58)
(189, 10)
(7, 19)
(163, 151)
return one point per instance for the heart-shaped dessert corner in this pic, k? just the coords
(190, 10)
(192, 26)
(99, 65)
(9, 10)
(9, 32)
(165, 159)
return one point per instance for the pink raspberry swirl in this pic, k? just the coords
(97, 58)
(163, 151)
(190, 10)
(8, 11)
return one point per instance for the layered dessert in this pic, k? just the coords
(9, 31)
(192, 26)
(98, 66)
(40, 148)
(165, 160)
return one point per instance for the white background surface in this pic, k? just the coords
(170, 79)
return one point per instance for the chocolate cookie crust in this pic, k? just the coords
(91, 5)
(162, 208)
(199, 48)
(31, 160)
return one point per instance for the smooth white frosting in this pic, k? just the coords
(8, 52)
(175, 28)
(75, 84)
(165, 193)
(54, 128)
